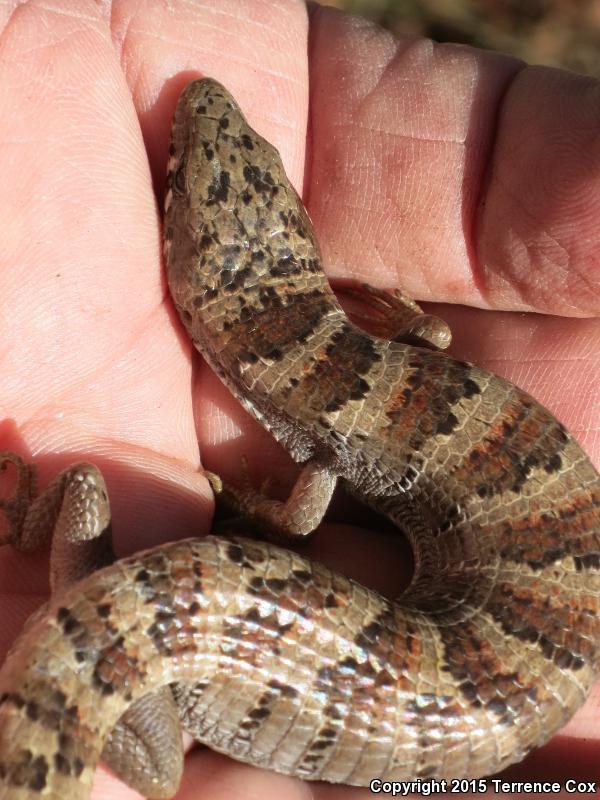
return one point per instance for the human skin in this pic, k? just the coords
(466, 177)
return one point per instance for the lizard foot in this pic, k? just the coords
(280, 521)
(15, 506)
(395, 316)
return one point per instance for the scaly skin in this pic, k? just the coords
(276, 660)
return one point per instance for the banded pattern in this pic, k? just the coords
(501, 505)
(277, 660)
(280, 662)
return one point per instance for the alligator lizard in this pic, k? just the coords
(270, 657)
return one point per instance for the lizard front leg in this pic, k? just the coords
(287, 521)
(389, 315)
(394, 316)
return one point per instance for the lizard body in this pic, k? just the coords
(277, 660)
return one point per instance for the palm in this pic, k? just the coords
(94, 363)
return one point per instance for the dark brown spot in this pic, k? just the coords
(554, 464)
(27, 771)
(276, 585)
(32, 710)
(447, 426)
(218, 189)
(70, 624)
(103, 610)
(587, 561)
(471, 388)
(260, 713)
(61, 764)
(235, 553)
(283, 688)
(302, 575)
(368, 634)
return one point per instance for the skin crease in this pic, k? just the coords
(461, 175)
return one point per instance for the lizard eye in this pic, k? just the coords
(179, 179)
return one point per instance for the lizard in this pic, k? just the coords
(261, 653)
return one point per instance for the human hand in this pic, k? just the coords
(417, 156)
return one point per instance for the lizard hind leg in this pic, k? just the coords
(394, 316)
(144, 748)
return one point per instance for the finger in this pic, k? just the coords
(455, 173)
(370, 232)
(208, 39)
(257, 50)
(91, 361)
(211, 776)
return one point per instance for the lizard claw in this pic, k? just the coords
(216, 484)
(246, 481)
(266, 486)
